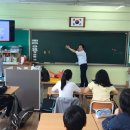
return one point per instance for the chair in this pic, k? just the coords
(3, 108)
(63, 103)
(95, 105)
(47, 105)
(2, 112)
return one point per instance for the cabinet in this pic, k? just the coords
(29, 86)
(11, 55)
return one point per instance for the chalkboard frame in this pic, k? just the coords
(125, 62)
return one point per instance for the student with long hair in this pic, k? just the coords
(65, 87)
(120, 120)
(101, 86)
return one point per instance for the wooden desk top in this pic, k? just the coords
(52, 81)
(98, 122)
(49, 92)
(11, 89)
(54, 121)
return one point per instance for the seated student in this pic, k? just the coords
(6, 101)
(65, 86)
(120, 121)
(101, 86)
(74, 118)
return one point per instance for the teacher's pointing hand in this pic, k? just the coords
(67, 46)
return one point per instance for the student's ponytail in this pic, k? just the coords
(63, 81)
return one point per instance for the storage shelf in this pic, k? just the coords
(10, 63)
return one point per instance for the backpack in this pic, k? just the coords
(18, 116)
(45, 75)
(3, 89)
(47, 105)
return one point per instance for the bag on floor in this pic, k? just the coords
(18, 116)
(48, 105)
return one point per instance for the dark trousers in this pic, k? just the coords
(84, 81)
(6, 101)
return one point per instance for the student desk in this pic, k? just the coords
(44, 85)
(98, 122)
(82, 96)
(54, 121)
(52, 81)
(11, 89)
(51, 93)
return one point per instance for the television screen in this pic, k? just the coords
(7, 30)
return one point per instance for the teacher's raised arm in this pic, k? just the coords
(69, 48)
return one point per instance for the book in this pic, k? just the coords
(100, 113)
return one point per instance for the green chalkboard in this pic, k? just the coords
(21, 38)
(101, 47)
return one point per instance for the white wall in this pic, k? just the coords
(32, 16)
(118, 75)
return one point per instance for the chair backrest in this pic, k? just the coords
(95, 105)
(63, 103)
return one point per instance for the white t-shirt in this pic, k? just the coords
(68, 89)
(82, 58)
(99, 92)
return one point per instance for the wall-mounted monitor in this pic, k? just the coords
(7, 30)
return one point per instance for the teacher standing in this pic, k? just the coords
(82, 61)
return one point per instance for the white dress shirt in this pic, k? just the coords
(68, 89)
(82, 58)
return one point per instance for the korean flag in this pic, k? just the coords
(77, 22)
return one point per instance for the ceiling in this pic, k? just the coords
(74, 2)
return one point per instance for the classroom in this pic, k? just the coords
(49, 17)
(34, 19)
